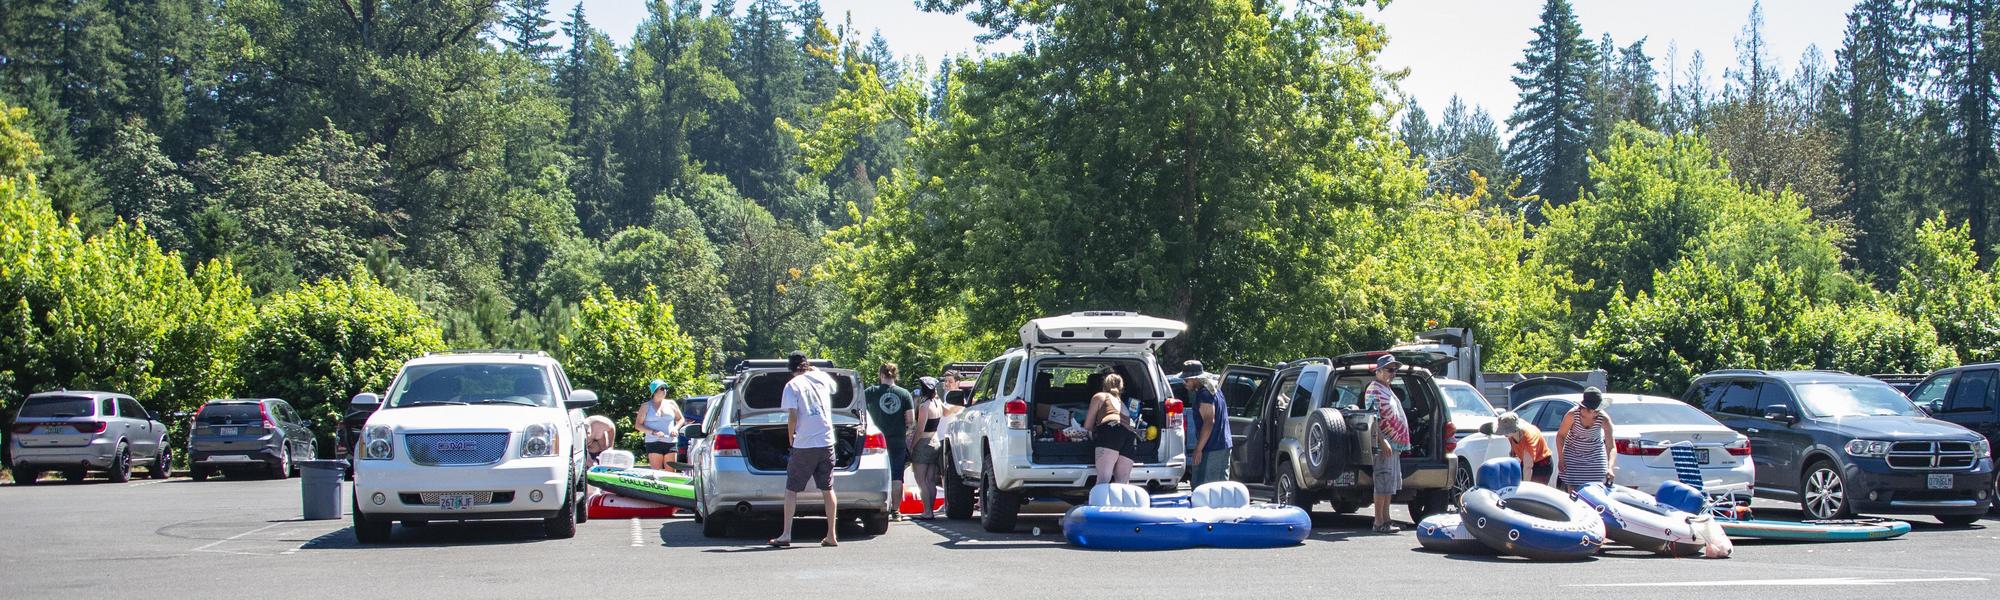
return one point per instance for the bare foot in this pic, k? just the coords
(829, 542)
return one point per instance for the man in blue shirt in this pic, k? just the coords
(1208, 427)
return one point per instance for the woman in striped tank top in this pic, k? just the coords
(1584, 441)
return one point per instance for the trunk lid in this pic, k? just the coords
(54, 421)
(1100, 332)
(762, 393)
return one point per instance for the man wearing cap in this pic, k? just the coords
(1528, 446)
(808, 405)
(1208, 440)
(1392, 438)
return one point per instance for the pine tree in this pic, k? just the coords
(1469, 142)
(588, 83)
(1416, 132)
(527, 26)
(1865, 106)
(1552, 121)
(1966, 67)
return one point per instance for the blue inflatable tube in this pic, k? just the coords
(1448, 534)
(1124, 518)
(1529, 519)
(1645, 522)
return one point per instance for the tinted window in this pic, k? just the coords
(1243, 392)
(129, 408)
(1656, 413)
(1699, 396)
(1286, 387)
(1007, 377)
(1774, 395)
(767, 390)
(1302, 396)
(1971, 392)
(1466, 402)
(56, 407)
(1529, 411)
(1933, 390)
(229, 413)
(1551, 417)
(471, 384)
(107, 407)
(1739, 398)
(1855, 399)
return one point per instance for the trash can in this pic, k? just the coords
(320, 488)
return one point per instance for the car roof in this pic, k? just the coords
(1445, 382)
(482, 358)
(1614, 398)
(242, 400)
(1791, 377)
(78, 393)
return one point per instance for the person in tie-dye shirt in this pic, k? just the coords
(1392, 439)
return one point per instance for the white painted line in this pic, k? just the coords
(1822, 581)
(147, 482)
(638, 534)
(205, 547)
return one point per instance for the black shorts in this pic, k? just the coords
(899, 458)
(1116, 438)
(662, 448)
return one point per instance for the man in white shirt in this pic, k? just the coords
(808, 404)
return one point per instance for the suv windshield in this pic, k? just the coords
(471, 384)
(1855, 400)
(56, 407)
(1466, 402)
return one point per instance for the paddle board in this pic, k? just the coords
(1847, 530)
(664, 487)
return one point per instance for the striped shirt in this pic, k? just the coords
(1583, 460)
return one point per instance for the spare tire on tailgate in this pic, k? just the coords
(1328, 444)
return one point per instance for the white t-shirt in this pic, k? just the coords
(811, 395)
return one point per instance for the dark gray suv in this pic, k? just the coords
(242, 436)
(1840, 444)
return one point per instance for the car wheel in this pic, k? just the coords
(875, 523)
(1286, 489)
(1461, 482)
(121, 465)
(563, 525)
(1826, 494)
(369, 530)
(75, 475)
(1328, 444)
(163, 466)
(1958, 520)
(198, 473)
(26, 477)
(1429, 503)
(715, 525)
(283, 469)
(957, 493)
(583, 507)
(1341, 508)
(997, 509)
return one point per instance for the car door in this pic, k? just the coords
(1969, 403)
(137, 426)
(1734, 404)
(1778, 445)
(1243, 391)
(1269, 428)
(977, 420)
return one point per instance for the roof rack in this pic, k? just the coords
(1899, 376)
(1829, 371)
(488, 351)
(776, 363)
(1309, 360)
(1737, 372)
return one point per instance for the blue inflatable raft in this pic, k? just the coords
(1673, 521)
(1448, 534)
(1125, 517)
(1529, 519)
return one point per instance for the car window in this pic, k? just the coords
(1711, 398)
(1285, 388)
(107, 408)
(1739, 398)
(1656, 413)
(1971, 392)
(983, 388)
(130, 409)
(1302, 395)
(56, 407)
(1008, 375)
(1244, 393)
(471, 384)
(1855, 399)
(1466, 402)
(1933, 390)
(1528, 412)
(228, 413)
(1551, 417)
(1770, 395)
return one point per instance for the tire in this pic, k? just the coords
(1957, 520)
(958, 497)
(583, 508)
(1461, 482)
(163, 465)
(715, 525)
(1328, 445)
(1285, 488)
(875, 523)
(1342, 508)
(1825, 492)
(199, 473)
(283, 470)
(563, 525)
(998, 510)
(1429, 503)
(121, 465)
(369, 530)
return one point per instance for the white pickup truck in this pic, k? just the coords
(1010, 445)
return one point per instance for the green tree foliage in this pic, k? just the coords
(620, 344)
(319, 206)
(318, 345)
(1866, 108)
(1764, 124)
(1942, 283)
(1965, 64)
(526, 29)
(1551, 122)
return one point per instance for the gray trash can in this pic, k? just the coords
(320, 488)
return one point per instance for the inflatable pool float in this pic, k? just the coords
(1125, 517)
(1448, 534)
(1662, 523)
(1846, 530)
(912, 505)
(613, 506)
(664, 487)
(1529, 519)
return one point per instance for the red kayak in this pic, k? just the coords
(613, 506)
(912, 505)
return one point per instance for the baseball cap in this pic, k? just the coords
(1593, 398)
(654, 386)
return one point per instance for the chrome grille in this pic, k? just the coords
(455, 449)
(1931, 456)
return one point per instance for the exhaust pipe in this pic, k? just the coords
(743, 508)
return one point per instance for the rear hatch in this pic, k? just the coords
(760, 419)
(230, 426)
(57, 422)
(1100, 332)
(1059, 400)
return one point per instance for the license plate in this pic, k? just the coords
(229, 458)
(54, 430)
(455, 501)
(1939, 482)
(231, 430)
(1701, 458)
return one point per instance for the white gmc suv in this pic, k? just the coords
(472, 436)
(1019, 438)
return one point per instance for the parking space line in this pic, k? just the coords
(205, 547)
(638, 534)
(147, 482)
(1813, 582)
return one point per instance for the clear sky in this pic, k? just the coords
(1467, 47)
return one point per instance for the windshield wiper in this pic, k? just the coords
(432, 403)
(507, 401)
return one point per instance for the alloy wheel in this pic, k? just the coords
(1824, 490)
(1315, 446)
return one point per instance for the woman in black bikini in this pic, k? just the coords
(924, 455)
(1112, 433)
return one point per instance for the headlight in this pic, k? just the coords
(376, 444)
(538, 440)
(1867, 448)
(1982, 447)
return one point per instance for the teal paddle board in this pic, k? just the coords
(1846, 530)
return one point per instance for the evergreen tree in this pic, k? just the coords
(526, 25)
(589, 82)
(1966, 65)
(1416, 132)
(1865, 106)
(1552, 121)
(1469, 142)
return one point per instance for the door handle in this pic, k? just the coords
(1753, 430)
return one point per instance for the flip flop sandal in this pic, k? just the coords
(828, 543)
(779, 544)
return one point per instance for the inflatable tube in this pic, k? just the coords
(664, 487)
(1534, 521)
(1640, 521)
(613, 506)
(1448, 534)
(1124, 517)
(1852, 530)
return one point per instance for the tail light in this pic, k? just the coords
(1638, 448)
(1017, 414)
(24, 428)
(1450, 437)
(88, 426)
(725, 444)
(1176, 413)
(265, 410)
(1740, 448)
(874, 444)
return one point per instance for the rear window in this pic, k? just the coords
(229, 413)
(766, 391)
(1656, 413)
(56, 407)
(1466, 403)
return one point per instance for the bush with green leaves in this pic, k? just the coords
(1943, 284)
(318, 345)
(615, 346)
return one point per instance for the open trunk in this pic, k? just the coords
(1060, 399)
(768, 448)
(1421, 407)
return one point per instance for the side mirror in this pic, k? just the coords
(1781, 413)
(580, 399)
(1934, 406)
(1486, 429)
(365, 401)
(693, 432)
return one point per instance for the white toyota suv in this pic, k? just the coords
(1015, 439)
(472, 436)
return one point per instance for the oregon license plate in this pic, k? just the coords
(231, 430)
(455, 501)
(1701, 457)
(1939, 482)
(53, 429)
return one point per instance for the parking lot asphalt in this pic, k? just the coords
(244, 538)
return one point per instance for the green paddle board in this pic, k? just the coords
(664, 487)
